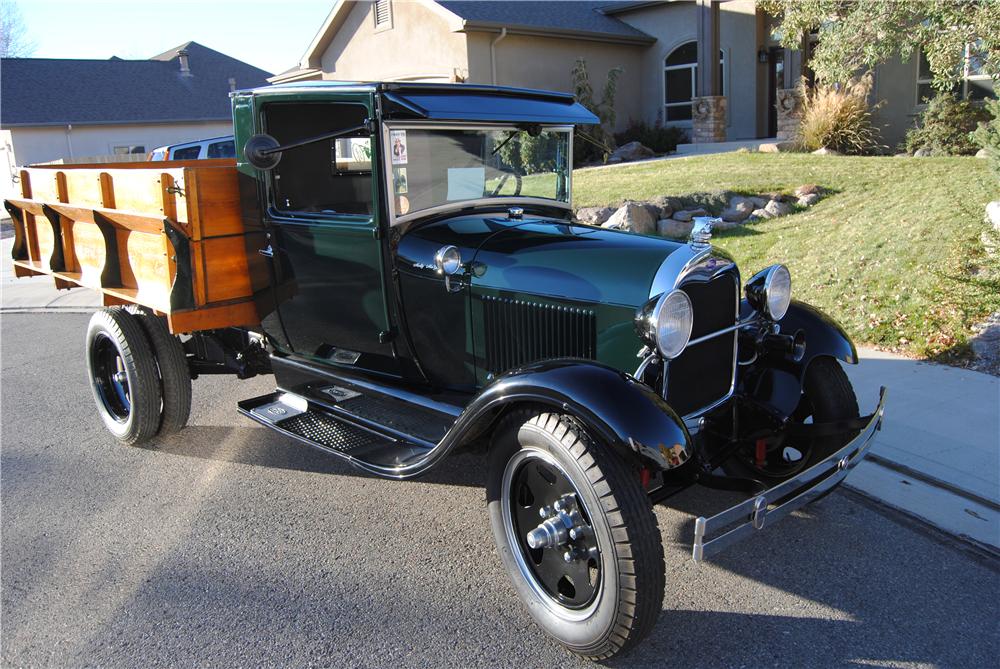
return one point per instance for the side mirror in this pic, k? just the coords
(263, 152)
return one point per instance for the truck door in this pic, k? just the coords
(322, 206)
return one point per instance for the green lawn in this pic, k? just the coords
(896, 252)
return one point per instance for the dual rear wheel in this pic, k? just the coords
(138, 373)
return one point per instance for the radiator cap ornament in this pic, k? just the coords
(701, 233)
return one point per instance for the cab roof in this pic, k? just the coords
(455, 102)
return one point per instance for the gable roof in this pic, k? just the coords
(59, 91)
(578, 18)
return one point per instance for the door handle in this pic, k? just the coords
(266, 252)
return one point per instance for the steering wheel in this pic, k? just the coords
(503, 180)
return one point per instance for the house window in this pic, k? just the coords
(680, 77)
(975, 84)
(383, 14)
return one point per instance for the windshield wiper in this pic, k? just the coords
(503, 143)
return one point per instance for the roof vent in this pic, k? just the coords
(182, 55)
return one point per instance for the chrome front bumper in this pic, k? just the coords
(739, 521)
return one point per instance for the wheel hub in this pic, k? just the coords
(559, 554)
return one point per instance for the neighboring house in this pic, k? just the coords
(536, 44)
(65, 109)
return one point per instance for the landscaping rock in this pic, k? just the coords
(807, 189)
(982, 153)
(826, 152)
(594, 215)
(739, 210)
(923, 153)
(776, 147)
(632, 216)
(993, 214)
(776, 197)
(775, 208)
(669, 227)
(760, 202)
(808, 200)
(665, 205)
(688, 214)
(629, 152)
(760, 214)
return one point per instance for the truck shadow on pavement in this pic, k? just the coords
(845, 584)
(260, 447)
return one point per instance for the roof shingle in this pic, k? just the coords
(583, 17)
(44, 91)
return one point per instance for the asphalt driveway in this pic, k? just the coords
(228, 545)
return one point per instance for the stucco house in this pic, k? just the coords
(750, 94)
(66, 109)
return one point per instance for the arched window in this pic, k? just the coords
(680, 73)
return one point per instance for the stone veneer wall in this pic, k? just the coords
(789, 104)
(708, 119)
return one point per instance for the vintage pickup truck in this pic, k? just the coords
(404, 259)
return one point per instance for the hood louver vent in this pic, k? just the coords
(519, 333)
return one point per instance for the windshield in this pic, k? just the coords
(436, 167)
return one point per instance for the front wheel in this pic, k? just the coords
(827, 396)
(576, 532)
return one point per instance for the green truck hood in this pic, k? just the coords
(564, 261)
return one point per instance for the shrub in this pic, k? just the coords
(945, 127)
(594, 143)
(657, 137)
(987, 135)
(838, 117)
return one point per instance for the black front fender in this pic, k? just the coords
(776, 380)
(622, 412)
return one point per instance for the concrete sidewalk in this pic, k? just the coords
(937, 456)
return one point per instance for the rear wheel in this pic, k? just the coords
(171, 363)
(576, 532)
(827, 396)
(123, 375)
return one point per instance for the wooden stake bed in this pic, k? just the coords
(167, 235)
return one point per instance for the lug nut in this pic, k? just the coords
(545, 512)
(568, 556)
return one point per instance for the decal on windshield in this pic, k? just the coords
(397, 140)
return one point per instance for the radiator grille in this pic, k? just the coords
(520, 332)
(703, 374)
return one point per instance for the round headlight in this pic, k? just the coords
(778, 292)
(670, 323)
(448, 260)
(770, 291)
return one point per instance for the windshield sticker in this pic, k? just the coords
(466, 183)
(402, 204)
(399, 180)
(397, 140)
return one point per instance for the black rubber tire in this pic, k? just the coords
(632, 581)
(832, 398)
(171, 363)
(133, 348)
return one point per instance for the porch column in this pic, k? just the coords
(708, 108)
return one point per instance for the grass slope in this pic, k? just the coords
(897, 253)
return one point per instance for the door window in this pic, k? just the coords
(187, 153)
(225, 149)
(331, 176)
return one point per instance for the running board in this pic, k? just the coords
(377, 451)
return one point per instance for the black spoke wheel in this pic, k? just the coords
(123, 375)
(827, 396)
(576, 532)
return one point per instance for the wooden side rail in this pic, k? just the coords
(169, 239)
